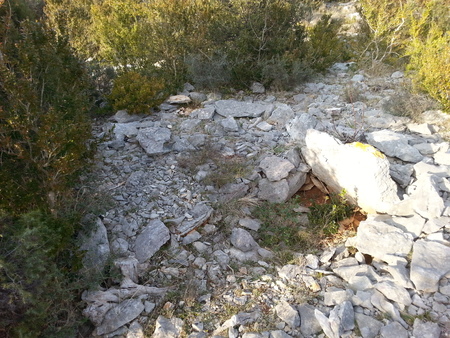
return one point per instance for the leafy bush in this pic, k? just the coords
(429, 52)
(324, 45)
(137, 93)
(415, 32)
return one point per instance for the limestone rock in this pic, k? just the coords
(120, 315)
(274, 192)
(395, 145)
(426, 329)
(235, 108)
(276, 168)
(281, 115)
(288, 314)
(168, 328)
(242, 240)
(358, 168)
(154, 140)
(178, 99)
(382, 240)
(150, 240)
(429, 264)
(368, 326)
(299, 125)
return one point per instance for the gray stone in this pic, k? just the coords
(276, 168)
(295, 181)
(336, 297)
(325, 324)
(189, 124)
(383, 305)
(346, 316)
(206, 113)
(197, 97)
(128, 267)
(382, 240)
(178, 99)
(358, 78)
(393, 329)
(442, 157)
(242, 240)
(299, 125)
(168, 328)
(357, 168)
(401, 174)
(150, 240)
(368, 326)
(429, 264)
(427, 149)
(257, 88)
(308, 323)
(281, 115)
(395, 145)
(264, 126)
(229, 124)
(154, 140)
(279, 334)
(426, 329)
(249, 223)
(200, 214)
(239, 109)
(288, 314)
(424, 197)
(422, 128)
(122, 116)
(122, 130)
(96, 246)
(120, 315)
(395, 293)
(241, 256)
(135, 330)
(274, 192)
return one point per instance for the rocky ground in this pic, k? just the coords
(183, 182)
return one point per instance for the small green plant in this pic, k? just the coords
(326, 217)
(282, 230)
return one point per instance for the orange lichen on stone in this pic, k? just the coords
(369, 148)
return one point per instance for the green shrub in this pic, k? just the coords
(44, 126)
(429, 52)
(414, 32)
(324, 45)
(136, 92)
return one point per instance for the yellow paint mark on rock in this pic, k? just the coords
(369, 148)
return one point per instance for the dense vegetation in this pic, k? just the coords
(58, 56)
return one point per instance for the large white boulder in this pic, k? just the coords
(357, 168)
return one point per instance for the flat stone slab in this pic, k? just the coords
(155, 140)
(276, 168)
(429, 263)
(120, 315)
(150, 240)
(382, 240)
(235, 108)
(395, 145)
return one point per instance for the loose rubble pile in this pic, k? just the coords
(166, 235)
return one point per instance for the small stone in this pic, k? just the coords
(288, 314)
(178, 99)
(426, 329)
(393, 329)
